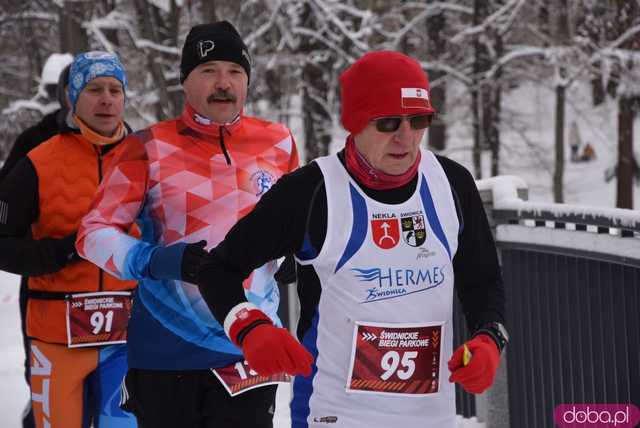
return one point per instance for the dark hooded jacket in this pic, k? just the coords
(31, 137)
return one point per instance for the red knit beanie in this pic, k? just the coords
(383, 83)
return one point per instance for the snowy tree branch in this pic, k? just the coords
(491, 21)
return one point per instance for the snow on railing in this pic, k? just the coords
(508, 205)
(605, 233)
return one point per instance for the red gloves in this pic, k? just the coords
(268, 349)
(478, 375)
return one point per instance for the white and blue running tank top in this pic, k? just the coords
(380, 264)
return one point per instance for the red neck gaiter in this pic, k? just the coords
(371, 177)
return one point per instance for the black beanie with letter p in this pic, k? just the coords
(218, 41)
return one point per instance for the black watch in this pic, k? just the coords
(497, 332)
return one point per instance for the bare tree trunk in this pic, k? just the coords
(626, 16)
(315, 75)
(176, 96)
(475, 124)
(597, 88)
(544, 23)
(35, 58)
(543, 16)
(480, 64)
(209, 11)
(104, 8)
(494, 139)
(624, 191)
(438, 129)
(317, 122)
(73, 38)
(163, 106)
(592, 25)
(495, 110)
(558, 171)
(277, 90)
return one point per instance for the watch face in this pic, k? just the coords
(503, 331)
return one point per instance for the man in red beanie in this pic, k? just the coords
(383, 232)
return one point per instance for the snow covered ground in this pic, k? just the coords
(13, 389)
(527, 138)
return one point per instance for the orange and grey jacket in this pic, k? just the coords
(45, 196)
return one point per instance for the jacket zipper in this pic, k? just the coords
(100, 273)
(223, 147)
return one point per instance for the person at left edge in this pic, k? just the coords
(57, 65)
(186, 181)
(53, 83)
(48, 192)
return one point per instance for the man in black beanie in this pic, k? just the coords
(188, 181)
(215, 49)
(219, 41)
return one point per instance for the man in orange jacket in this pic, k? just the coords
(76, 313)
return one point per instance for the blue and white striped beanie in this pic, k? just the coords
(89, 65)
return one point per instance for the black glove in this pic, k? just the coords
(179, 261)
(35, 257)
(286, 273)
(193, 258)
(63, 250)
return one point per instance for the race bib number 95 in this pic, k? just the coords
(95, 319)
(395, 358)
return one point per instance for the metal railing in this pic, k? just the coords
(572, 277)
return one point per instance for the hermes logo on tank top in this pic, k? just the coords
(390, 283)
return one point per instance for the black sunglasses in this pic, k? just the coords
(392, 123)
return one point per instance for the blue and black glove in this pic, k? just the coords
(180, 261)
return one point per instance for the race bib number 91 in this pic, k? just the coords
(395, 358)
(96, 319)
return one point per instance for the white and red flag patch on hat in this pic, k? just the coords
(415, 98)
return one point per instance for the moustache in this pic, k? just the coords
(221, 96)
